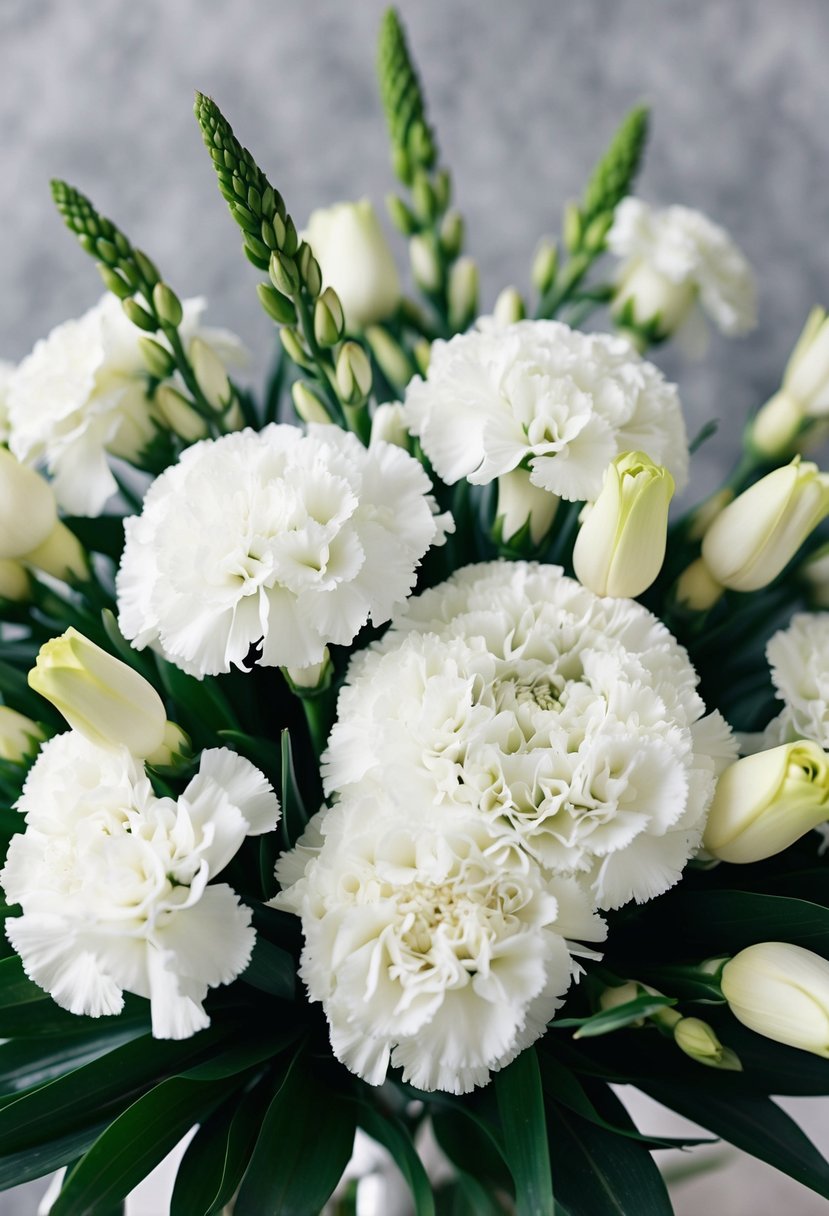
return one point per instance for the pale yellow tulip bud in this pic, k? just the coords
(781, 991)
(356, 260)
(103, 698)
(15, 584)
(758, 534)
(776, 425)
(27, 507)
(696, 588)
(621, 544)
(62, 555)
(765, 802)
(521, 504)
(20, 737)
(697, 1039)
(803, 395)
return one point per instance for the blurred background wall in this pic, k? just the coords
(524, 97)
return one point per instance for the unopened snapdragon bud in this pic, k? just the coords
(463, 293)
(27, 507)
(353, 374)
(509, 307)
(103, 698)
(160, 362)
(621, 544)
(210, 374)
(524, 505)
(389, 425)
(167, 305)
(329, 322)
(20, 737)
(781, 991)
(757, 535)
(765, 802)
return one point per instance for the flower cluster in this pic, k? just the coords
(115, 883)
(799, 661)
(287, 539)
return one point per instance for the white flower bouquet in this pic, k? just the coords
(368, 751)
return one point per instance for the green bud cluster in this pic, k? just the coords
(312, 319)
(412, 140)
(148, 302)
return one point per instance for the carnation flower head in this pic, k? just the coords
(799, 660)
(82, 394)
(431, 946)
(278, 537)
(115, 885)
(539, 392)
(6, 370)
(571, 724)
(685, 250)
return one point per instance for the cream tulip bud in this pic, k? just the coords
(781, 991)
(765, 802)
(389, 425)
(758, 534)
(650, 299)
(462, 293)
(27, 507)
(621, 544)
(697, 1039)
(804, 393)
(20, 737)
(509, 307)
(15, 584)
(524, 505)
(62, 555)
(210, 374)
(355, 259)
(103, 698)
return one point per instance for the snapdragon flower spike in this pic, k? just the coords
(115, 884)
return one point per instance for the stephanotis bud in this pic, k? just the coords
(356, 261)
(20, 737)
(803, 395)
(103, 698)
(765, 802)
(521, 504)
(27, 507)
(621, 544)
(781, 991)
(757, 535)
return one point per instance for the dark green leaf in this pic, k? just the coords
(598, 1173)
(521, 1107)
(470, 1143)
(271, 969)
(26, 1063)
(304, 1145)
(136, 1142)
(294, 814)
(607, 1020)
(217, 1156)
(101, 534)
(394, 1136)
(31, 1163)
(755, 1124)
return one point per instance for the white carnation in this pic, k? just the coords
(799, 661)
(538, 391)
(113, 881)
(570, 723)
(6, 370)
(687, 249)
(82, 394)
(431, 947)
(277, 537)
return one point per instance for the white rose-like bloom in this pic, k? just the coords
(82, 393)
(571, 723)
(676, 258)
(799, 660)
(538, 391)
(431, 946)
(113, 881)
(290, 539)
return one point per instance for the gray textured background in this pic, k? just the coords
(524, 96)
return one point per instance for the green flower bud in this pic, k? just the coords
(451, 234)
(545, 265)
(329, 322)
(278, 307)
(572, 227)
(210, 374)
(697, 1039)
(391, 358)
(309, 269)
(284, 273)
(295, 348)
(177, 413)
(353, 374)
(167, 305)
(401, 216)
(423, 355)
(426, 266)
(114, 282)
(139, 316)
(308, 403)
(160, 362)
(509, 307)
(20, 737)
(423, 197)
(463, 293)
